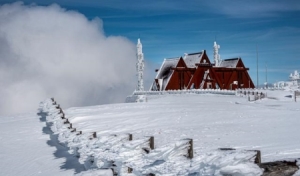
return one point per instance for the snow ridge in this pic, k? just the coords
(136, 157)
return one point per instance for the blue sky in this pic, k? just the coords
(171, 28)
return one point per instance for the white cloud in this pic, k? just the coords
(51, 52)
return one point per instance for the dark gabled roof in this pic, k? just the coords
(195, 53)
(232, 59)
(192, 58)
(229, 63)
(170, 58)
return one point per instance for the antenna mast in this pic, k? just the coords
(140, 66)
(256, 67)
(216, 54)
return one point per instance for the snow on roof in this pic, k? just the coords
(229, 63)
(192, 58)
(165, 71)
(165, 68)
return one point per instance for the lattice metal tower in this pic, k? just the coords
(140, 66)
(217, 59)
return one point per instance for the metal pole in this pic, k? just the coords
(256, 67)
(266, 76)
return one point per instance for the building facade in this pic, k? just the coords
(195, 71)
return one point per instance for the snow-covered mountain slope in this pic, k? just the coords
(212, 121)
(27, 149)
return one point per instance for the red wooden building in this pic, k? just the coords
(195, 71)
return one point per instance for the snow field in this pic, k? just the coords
(116, 151)
(270, 125)
(27, 148)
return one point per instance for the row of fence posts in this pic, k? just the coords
(66, 121)
(262, 95)
(255, 94)
(190, 153)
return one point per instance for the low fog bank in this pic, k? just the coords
(51, 52)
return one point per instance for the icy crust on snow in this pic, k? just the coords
(117, 152)
(236, 163)
(96, 172)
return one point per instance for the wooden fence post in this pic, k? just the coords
(70, 126)
(151, 142)
(114, 172)
(130, 137)
(94, 135)
(67, 121)
(257, 159)
(151, 145)
(130, 170)
(191, 150)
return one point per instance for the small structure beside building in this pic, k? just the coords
(292, 84)
(195, 71)
(295, 78)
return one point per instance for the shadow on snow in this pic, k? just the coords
(61, 151)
